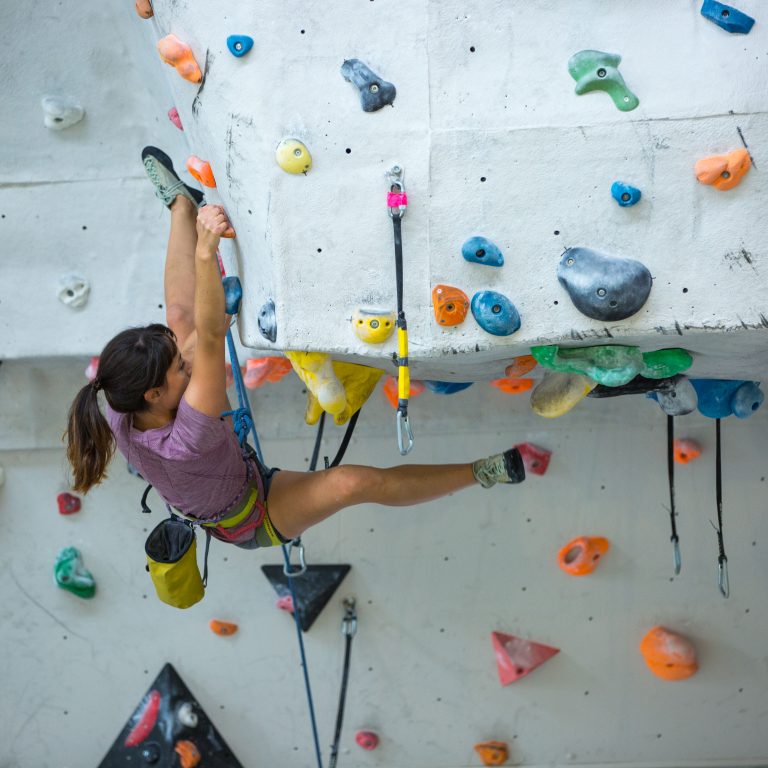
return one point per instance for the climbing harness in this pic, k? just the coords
(348, 629)
(722, 560)
(397, 202)
(674, 538)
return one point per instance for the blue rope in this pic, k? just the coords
(242, 420)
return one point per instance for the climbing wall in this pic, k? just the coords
(494, 142)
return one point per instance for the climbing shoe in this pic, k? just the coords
(167, 184)
(504, 467)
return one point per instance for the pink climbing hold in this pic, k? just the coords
(535, 459)
(367, 740)
(516, 658)
(285, 603)
(173, 116)
(92, 369)
(68, 503)
(397, 199)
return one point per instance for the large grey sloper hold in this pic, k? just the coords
(375, 93)
(604, 287)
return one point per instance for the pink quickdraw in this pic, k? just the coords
(397, 199)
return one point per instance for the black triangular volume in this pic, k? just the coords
(314, 588)
(155, 728)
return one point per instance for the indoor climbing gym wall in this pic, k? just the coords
(460, 227)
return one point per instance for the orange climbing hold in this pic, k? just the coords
(259, 370)
(179, 55)
(513, 386)
(201, 170)
(390, 390)
(189, 754)
(668, 655)
(516, 658)
(723, 172)
(581, 556)
(493, 752)
(520, 366)
(223, 628)
(144, 9)
(449, 304)
(686, 450)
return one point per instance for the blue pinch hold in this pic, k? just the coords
(727, 17)
(239, 45)
(447, 387)
(233, 294)
(625, 194)
(720, 398)
(480, 250)
(495, 313)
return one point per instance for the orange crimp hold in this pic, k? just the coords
(686, 450)
(450, 304)
(201, 170)
(259, 370)
(189, 754)
(492, 752)
(723, 172)
(390, 390)
(513, 386)
(179, 55)
(520, 366)
(144, 9)
(668, 655)
(222, 628)
(581, 556)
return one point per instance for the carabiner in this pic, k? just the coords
(403, 431)
(676, 552)
(722, 576)
(349, 622)
(302, 562)
(395, 177)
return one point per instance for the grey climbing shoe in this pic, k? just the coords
(168, 186)
(504, 467)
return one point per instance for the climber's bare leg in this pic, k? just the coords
(298, 500)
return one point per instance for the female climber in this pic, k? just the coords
(165, 391)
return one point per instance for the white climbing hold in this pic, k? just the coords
(73, 291)
(186, 715)
(59, 114)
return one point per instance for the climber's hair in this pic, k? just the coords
(133, 362)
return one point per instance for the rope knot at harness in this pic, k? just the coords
(241, 422)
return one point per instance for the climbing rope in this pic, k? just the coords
(722, 560)
(397, 202)
(671, 473)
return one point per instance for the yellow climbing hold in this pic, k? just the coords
(557, 393)
(338, 388)
(293, 156)
(373, 326)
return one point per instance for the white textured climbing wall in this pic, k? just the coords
(494, 142)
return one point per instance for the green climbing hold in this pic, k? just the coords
(613, 365)
(599, 71)
(72, 575)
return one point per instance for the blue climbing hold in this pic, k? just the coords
(447, 387)
(233, 294)
(495, 313)
(480, 250)
(239, 45)
(624, 194)
(719, 398)
(727, 17)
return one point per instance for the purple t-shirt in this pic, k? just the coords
(194, 462)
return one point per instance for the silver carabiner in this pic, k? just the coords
(396, 178)
(404, 431)
(676, 552)
(722, 577)
(349, 622)
(302, 562)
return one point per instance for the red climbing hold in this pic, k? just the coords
(173, 116)
(285, 603)
(92, 369)
(492, 752)
(68, 503)
(515, 657)
(686, 450)
(147, 717)
(260, 370)
(535, 459)
(390, 390)
(367, 740)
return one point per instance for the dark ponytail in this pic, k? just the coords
(133, 362)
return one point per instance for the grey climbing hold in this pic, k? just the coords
(268, 321)
(73, 291)
(480, 250)
(604, 287)
(59, 114)
(375, 93)
(678, 399)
